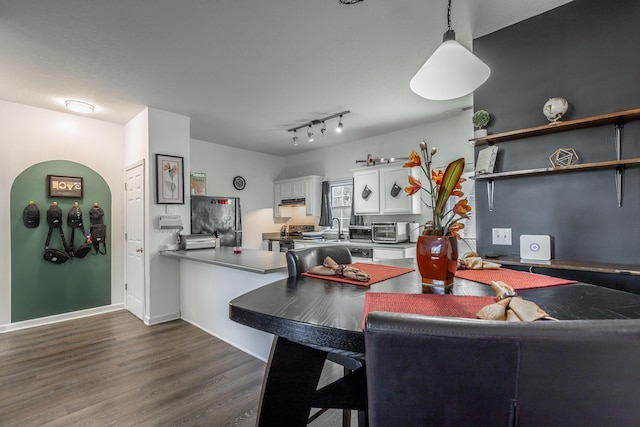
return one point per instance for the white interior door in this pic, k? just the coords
(134, 276)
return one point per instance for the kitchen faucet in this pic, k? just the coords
(339, 228)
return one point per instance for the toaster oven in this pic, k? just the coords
(389, 232)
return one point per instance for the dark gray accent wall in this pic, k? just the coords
(588, 53)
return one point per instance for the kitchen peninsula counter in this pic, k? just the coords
(252, 260)
(210, 278)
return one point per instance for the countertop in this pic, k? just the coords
(252, 260)
(346, 242)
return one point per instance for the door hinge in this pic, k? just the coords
(125, 286)
(125, 237)
(125, 185)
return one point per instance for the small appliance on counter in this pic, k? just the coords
(197, 241)
(360, 232)
(287, 235)
(389, 232)
(414, 231)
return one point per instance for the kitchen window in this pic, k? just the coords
(341, 192)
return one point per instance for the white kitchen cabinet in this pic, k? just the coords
(379, 190)
(366, 191)
(292, 189)
(308, 188)
(394, 199)
(299, 244)
(393, 253)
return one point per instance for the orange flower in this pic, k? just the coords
(414, 186)
(436, 177)
(456, 228)
(457, 190)
(462, 207)
(414, 160)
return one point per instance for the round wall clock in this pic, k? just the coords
(239, 183)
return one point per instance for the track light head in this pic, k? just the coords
(295, 138)
(323, 130)
(339, 128)
(310, 134)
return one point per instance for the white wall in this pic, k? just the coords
(168, 134)
(34, 135)
(221, 164)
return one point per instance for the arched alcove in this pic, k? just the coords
(40, 288)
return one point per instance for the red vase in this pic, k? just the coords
(437, 259)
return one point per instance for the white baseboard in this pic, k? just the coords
(41, 321)
(249, 352)
(168, 317)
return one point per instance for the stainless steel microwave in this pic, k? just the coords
(389, 232)
(360, 232)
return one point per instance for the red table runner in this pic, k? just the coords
(378, 273)
(518, 280)
(426, 304)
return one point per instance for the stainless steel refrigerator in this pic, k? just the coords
(217, 215)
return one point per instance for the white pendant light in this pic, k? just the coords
(451, 72)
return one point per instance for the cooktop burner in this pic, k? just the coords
(295, 230)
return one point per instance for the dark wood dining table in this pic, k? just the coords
(311, 317)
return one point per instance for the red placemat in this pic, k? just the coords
(518, 280)
(426, 304)
(378, 273)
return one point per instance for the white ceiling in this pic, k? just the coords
(244, 71)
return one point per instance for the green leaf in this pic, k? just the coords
(449, 180)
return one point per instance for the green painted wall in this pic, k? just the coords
(40, 288)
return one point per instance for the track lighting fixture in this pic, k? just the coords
(339, 128)
(310, 134)
(323, 130)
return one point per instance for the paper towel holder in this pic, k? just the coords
(414, 231)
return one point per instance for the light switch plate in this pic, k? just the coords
(501, 236)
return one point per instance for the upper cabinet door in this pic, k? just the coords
(366, 192)
(394, 199)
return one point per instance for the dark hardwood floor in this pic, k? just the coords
(112, 370)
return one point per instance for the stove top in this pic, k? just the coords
(295, 230)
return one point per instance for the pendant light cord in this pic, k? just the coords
(449, 34)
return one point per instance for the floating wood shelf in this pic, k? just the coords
(598, 267)
(619, 165)
(612, 164)
(587, 122)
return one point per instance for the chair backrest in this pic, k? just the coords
(424, 371)
(301, 260)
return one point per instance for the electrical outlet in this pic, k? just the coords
(501, 236)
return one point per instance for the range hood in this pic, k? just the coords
(300, 201)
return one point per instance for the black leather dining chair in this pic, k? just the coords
(434, 371)
(300, 261)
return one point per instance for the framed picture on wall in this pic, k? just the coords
(65, 186)
(169, 179)
(198, 184)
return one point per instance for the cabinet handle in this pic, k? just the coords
(366, 192)
(395, 190)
